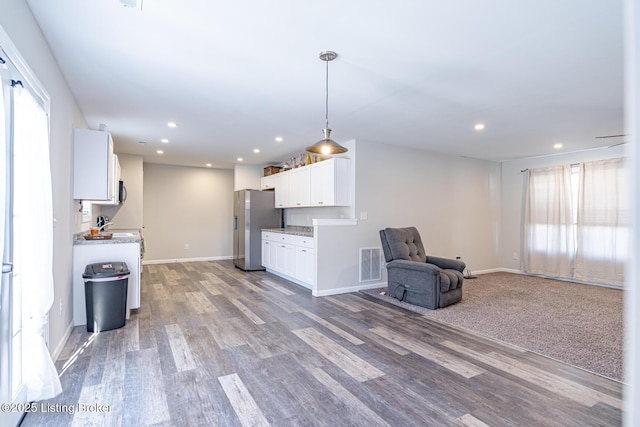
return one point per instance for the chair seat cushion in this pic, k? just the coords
(450, 279)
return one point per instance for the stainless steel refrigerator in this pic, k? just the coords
(253, 210)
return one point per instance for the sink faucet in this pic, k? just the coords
(101, 228)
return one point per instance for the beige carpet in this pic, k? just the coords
(581, 325)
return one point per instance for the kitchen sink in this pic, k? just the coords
(124, 234)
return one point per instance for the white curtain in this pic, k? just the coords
(33, 241)
(549, 236)
(602, 222)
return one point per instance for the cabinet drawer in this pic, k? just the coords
(306, 242)
(289, 239)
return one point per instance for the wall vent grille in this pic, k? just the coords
(370, 264)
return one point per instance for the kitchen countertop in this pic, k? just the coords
(78, 238)
(297, 230)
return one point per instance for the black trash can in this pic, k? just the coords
(105, 294)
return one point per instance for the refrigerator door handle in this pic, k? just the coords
(235, 222)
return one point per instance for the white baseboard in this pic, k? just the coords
(497, 270)
(336, 291)
(174, 260)
(63, 341)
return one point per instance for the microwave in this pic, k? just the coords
(122, 192)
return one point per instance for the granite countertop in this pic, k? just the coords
(297, 230)
(117, 237)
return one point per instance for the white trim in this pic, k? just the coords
(170, 261)
(336, 291)
(21, 65)
(63, 341)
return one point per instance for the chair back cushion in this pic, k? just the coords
(402, 243)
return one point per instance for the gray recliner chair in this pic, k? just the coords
(416, 278)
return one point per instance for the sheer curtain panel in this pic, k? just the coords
(603, 222)
(549, 236)
(33, 243)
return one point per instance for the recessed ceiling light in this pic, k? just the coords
(278, 139)
(164, 140)
(479, 126)
(240, 159)
(172, 124)
(208, 165)
(256, 150)
(160, 152)
(557, 145)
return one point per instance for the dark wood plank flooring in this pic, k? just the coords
(215, 346)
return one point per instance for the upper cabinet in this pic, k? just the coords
(299, 187)
(93, 165)
(329, 183)
(117, 175)
(282, 189)
(325, 183)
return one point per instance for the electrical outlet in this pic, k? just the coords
(186, 246)
(60, 307)
(364, 215)
(516, 255)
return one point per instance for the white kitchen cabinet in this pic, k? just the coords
(299, 187)
(115, 196)
(305, 264)
(329, 183)
(290, 256)
(93, 165)
(282, 189)
(326, 183)
(268, 182)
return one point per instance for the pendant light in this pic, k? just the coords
(326, 145)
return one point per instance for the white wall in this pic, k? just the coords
(187, 206)
(632, 294)
(454, 202)
(129, 214)
(18, 23)
(513, 186)
(247, 177)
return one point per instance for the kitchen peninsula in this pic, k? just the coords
(123, 246)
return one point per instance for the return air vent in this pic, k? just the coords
(370, 264)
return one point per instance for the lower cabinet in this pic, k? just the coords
(290, 256)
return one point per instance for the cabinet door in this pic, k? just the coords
(268, 182)
(266, 252)
(280, 257)
(290, 260)
(93, 165)
(305, 265)
(330, 183)
(282, 189)
(300, 187)
(323, 183)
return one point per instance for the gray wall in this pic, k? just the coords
(454, 202)
(18, 23)
(187, 206)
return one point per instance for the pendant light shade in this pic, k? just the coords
(326, 145)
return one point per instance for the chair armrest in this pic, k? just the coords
(421, 267)
(447, 263)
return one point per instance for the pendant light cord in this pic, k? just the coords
(326, 103)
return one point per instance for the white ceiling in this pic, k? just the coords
(234, 75)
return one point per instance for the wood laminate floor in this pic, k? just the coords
(215, 346)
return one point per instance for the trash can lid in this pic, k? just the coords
(105, 269)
